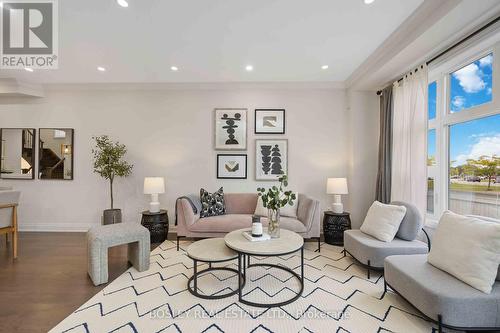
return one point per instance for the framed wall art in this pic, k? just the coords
(269, 121)
(231, 166)
(271, 159)
(230, 129)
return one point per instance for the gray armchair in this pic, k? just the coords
(371, 252)
(9, 200)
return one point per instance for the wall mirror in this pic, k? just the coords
(55, 153)
(17, 153)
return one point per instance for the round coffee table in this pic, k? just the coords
(289, 242)
(213, 250)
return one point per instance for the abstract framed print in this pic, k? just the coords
(269, 121)
(231, 166)
(230, 129)
(271, 159)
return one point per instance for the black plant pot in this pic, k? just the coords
(112, 216)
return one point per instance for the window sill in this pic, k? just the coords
(431, 223)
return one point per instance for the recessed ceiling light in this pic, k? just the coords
(122, 3)
(28, 69)
(174, 68)
(249, 68)
(369, 1)
(101, 69)
(324, 67)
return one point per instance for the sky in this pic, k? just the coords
(470, 86)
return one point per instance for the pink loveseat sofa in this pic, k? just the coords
(239, 210)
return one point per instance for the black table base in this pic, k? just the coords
(194, 290)
(243, 264)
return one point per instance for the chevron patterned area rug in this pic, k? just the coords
(337, 297)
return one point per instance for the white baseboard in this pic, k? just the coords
(56, 227)
(66, 227)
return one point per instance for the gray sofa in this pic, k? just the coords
(371, 252)
(239, 210)
(441, 297)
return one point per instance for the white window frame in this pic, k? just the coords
(444, 118)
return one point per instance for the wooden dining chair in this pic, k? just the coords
(9, 200)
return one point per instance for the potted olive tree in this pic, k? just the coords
(109, 164)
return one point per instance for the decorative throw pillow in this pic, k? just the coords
(382, 221)
(467, 248)
(289, 211)
(212, 204)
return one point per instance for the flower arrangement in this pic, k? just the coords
(275, 198)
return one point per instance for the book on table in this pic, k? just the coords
(248, 235)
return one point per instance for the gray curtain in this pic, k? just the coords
(383, 192)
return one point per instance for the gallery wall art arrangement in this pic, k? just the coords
(269, 121)
(231, 166)
(230, 129)
(271, 156)
(271, 159)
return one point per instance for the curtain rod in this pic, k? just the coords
(463, 40)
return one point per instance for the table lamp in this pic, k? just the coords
(337, 186)
(154, 186)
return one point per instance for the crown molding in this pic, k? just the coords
(199, 86)
(425, 16)
(11, 87)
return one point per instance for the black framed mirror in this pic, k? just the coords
(17, 153)
(55, 153)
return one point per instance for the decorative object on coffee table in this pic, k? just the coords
(270, 121)
(154, 186)
(290, 242)
(109, 163)
(271, 159)
(212, 250)
(157, 224)
(337, 186)
(256, 226)
(334, 225)
(273, 200)
(231, 129)
(231, 166)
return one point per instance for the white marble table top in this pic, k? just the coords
(211, 250)
(288, 242)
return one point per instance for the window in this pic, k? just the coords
(431, 147)
(471, 85)
(463, 142)
(430, 195)
(474, 166)
(431, 100)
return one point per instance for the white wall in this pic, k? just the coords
(363, 110)
(169, 133)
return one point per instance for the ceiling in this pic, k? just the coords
(213, 41)
(461, 20)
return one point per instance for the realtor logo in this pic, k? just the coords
(29, 34)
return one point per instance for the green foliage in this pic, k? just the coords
(276, 197)
(108, 160)
(485, 166)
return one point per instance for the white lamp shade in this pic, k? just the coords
(154, 185)
(336, 186)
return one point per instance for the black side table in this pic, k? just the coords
(334, 225)
(157, 224)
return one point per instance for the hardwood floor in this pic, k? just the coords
(48, 280)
